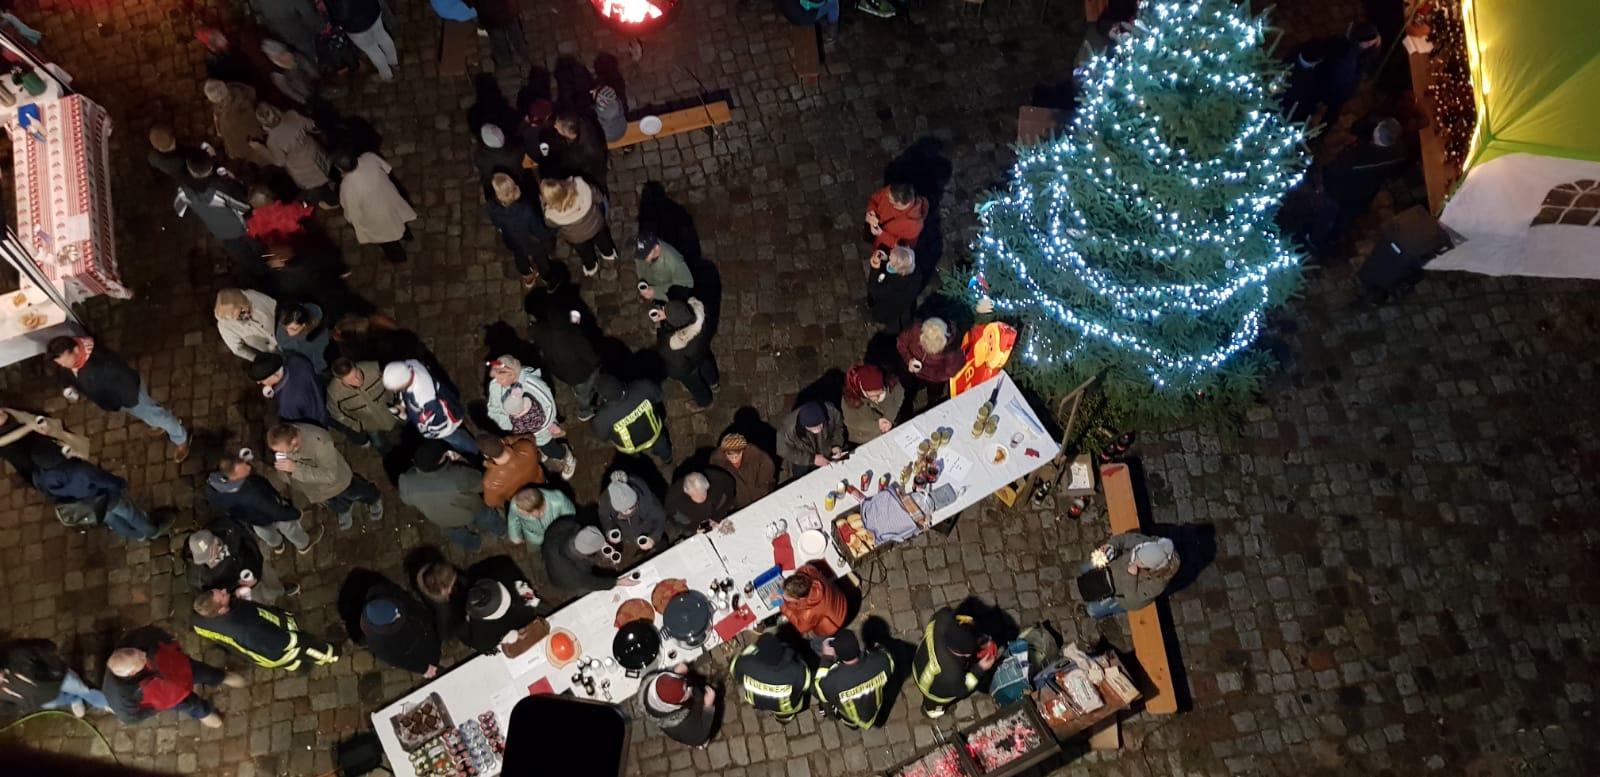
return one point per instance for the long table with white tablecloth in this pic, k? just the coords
(742, 549)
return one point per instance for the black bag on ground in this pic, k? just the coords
(1404, 244)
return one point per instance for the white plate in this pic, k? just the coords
(650, 125)
(813, 544)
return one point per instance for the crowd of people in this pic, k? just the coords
(340, 377)
(343, 377)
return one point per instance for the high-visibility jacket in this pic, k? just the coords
(854, 692)
(941, 675)
(782, 688)
(637, 430)
(266, 635)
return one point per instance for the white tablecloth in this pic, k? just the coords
(497, 683)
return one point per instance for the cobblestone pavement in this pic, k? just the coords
(1395, 555)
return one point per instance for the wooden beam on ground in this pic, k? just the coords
(807, 58)
(1145, 623)
(675, 122)
(455, 40)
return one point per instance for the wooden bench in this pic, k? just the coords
(674, 122)
(456, 39)
(1145, 623)
(807, 57)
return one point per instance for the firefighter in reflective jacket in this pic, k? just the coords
(771, 677)
(266, 635)
(949, 661)
(630, 416)
(852, 689)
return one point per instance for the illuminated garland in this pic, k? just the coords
(1143, 239)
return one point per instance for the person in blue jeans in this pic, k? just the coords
(109, 382)
(1141, 566)
(76, 480)
(34, 676)
(827, 13)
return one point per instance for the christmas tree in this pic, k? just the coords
(1140, 246)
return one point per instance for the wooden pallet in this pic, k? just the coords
(456, 39)
(675, 122)
(1149, 646)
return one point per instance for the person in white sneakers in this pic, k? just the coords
(149, 673)
(521, 403)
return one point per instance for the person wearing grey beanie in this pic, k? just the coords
(569, 558)
(630, 513)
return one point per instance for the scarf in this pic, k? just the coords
(85, 347)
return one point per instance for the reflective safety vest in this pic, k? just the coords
(854, 692)
(250, 620)
(781, 689)
(942, 676)
(622, 428)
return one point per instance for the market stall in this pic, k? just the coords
(63, 247)
(709, 588)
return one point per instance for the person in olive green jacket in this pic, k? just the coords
(358, 401)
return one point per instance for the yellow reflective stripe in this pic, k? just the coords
(290, 653)
(625, 440)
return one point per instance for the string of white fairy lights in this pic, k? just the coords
(1182, 47)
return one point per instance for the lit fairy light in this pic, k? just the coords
(1072, 246)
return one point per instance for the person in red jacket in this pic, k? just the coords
(894, 217)
(931, 353)
(149, 673)
(812, 603)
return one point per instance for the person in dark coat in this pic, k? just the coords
(290, 379)
(499, 153)
(311, 271)
(268, 636)
(1354, 177)
(680, 704)
(76, 480)
(500, 601)
(225, 555)
(771, 677)
(1299, 96)
(852, 684)
(34, 676)
(442, 587)
(950, 660)
(245, 496)
(502, 19)
(631, 513)
(576, 150)
(811, 436)
(520, 219)
(1348, 60)
(363, 21)
(97, 373)
(566, 348)
(892, 288)
(568, 552)
(683, 338)
(699, 500)
(399, 631)
(633, 417)
(149, 673)
(222, 206)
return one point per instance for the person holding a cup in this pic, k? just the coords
(109, 382)
(630, 513)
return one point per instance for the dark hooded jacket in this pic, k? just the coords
(410, 643)
(252, 501)
(242, 553)
(684, 339)
(484, 634)
(568, 571)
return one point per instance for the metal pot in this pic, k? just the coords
(687, 619)
(636, 646)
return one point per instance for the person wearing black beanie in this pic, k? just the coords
(949, 661)
(852, 688)
(771, 677)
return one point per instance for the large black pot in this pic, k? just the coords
(636, 646)
(687, 619)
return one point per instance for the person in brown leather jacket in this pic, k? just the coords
(508, 465)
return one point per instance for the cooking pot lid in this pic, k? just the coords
(636, 645)
(688, 615)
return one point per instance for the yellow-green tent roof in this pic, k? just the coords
(1536, 72)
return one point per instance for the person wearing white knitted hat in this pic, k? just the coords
(1138, 568)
